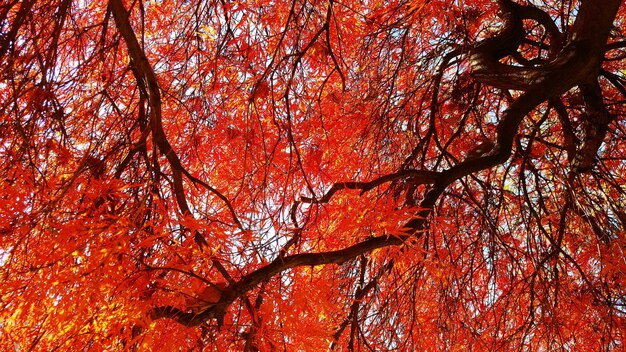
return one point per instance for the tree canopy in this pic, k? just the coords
(309, 175)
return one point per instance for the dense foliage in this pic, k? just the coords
(312, 175)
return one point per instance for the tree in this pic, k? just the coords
(306, 175)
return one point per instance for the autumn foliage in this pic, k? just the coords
(309, 175)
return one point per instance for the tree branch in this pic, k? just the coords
(146, 75)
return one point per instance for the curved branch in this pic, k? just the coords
(485, 58)
(554, 34)
(147, 76)
(420, 177)
(248, 282)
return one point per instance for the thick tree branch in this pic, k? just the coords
(591, 30)
(147, 76)
(419, 177)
